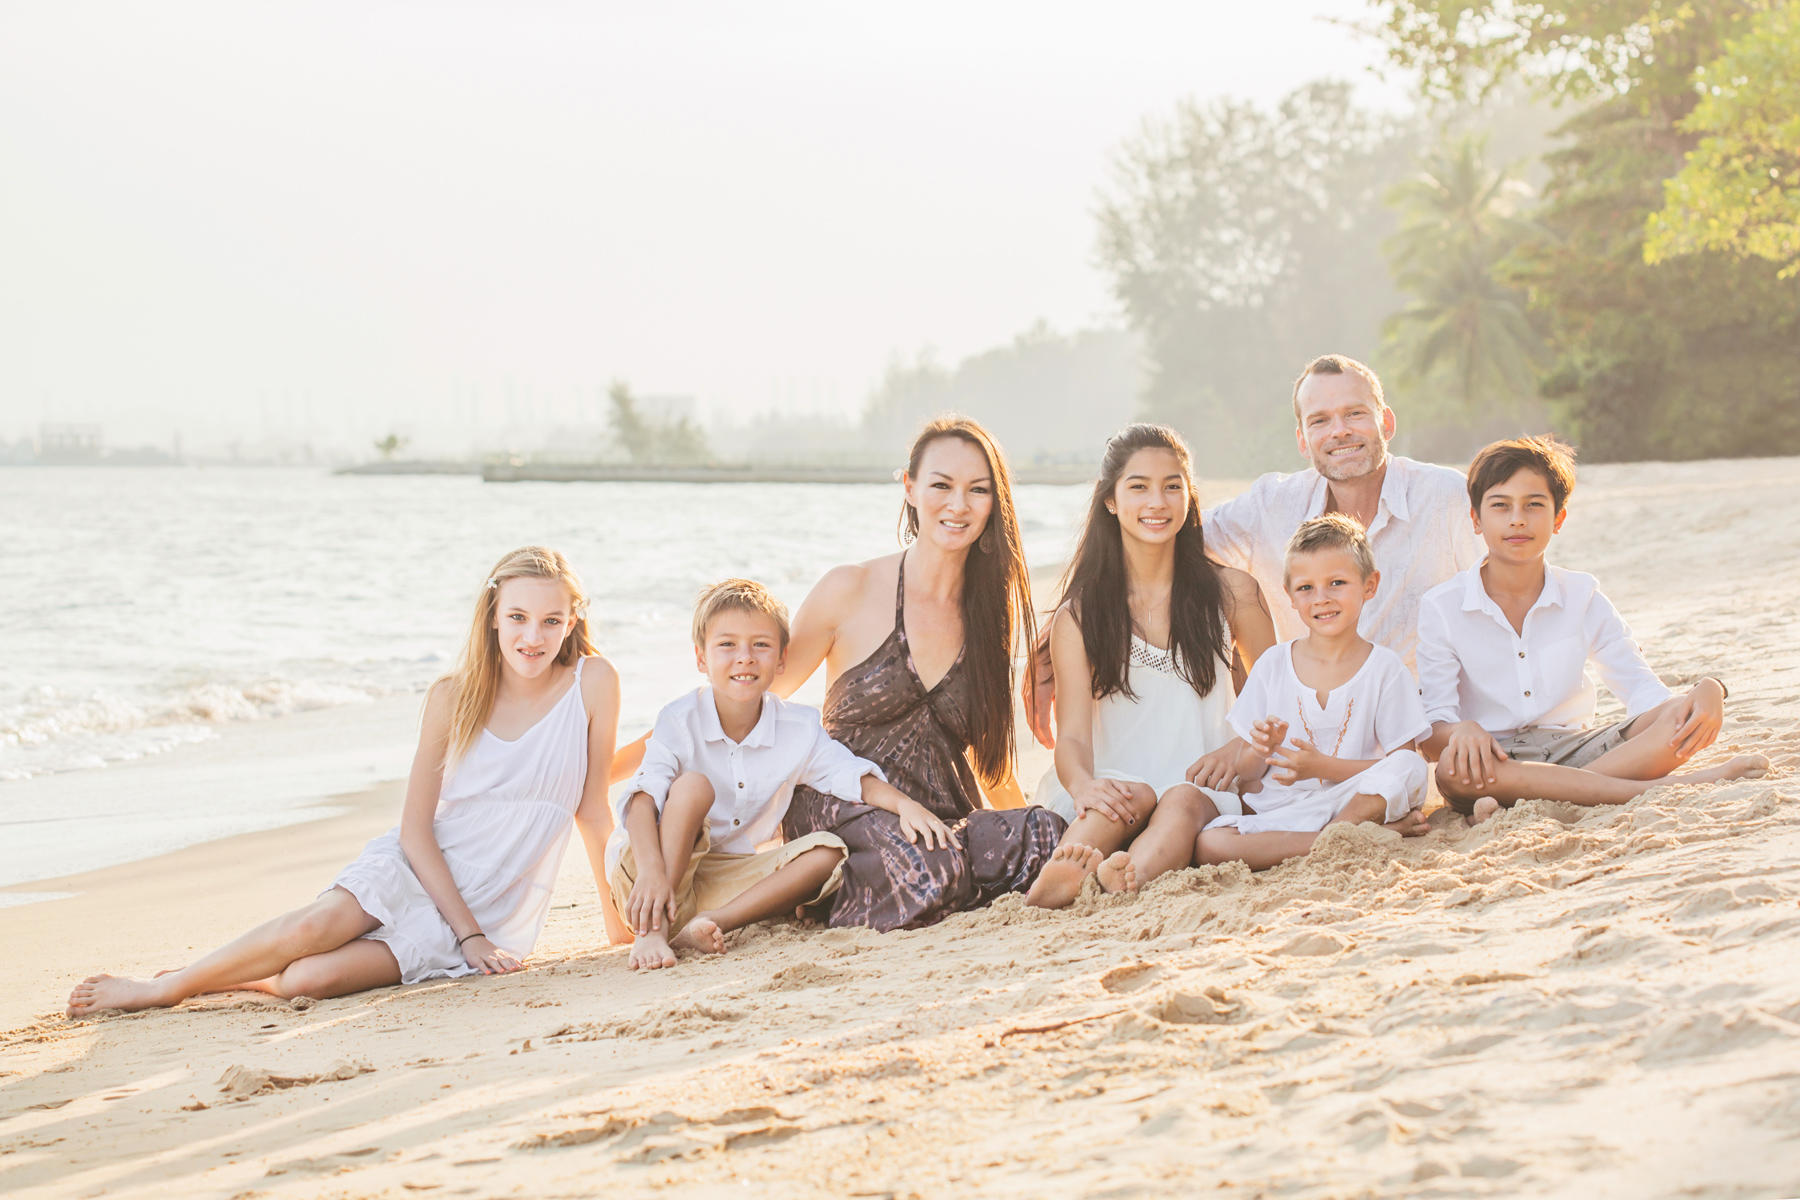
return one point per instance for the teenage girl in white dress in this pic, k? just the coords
(1152, 623)
(516, 743)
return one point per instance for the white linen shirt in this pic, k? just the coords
(1421, 536)
(1473, 667)
(753, 780)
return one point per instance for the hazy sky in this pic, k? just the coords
(240, 219)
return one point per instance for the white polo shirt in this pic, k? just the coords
(1473, 667)
(753, 780)
(1421, 536)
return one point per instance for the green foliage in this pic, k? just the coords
(1464, 345)
(1739, 191)
(391, 445)
(647, 440)
(1241, 244)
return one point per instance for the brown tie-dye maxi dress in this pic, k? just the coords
(883, 712)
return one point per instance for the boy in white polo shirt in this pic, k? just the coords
(692, 850)
(1503, 651)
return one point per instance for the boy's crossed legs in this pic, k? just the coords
(1646, 759)
(1260, 851)
(757, 886)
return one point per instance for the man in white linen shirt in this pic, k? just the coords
(1416, 515)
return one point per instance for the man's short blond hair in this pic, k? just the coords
(1338, 364)
(1333, 531)
(740, 595)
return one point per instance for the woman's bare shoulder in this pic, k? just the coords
(843, 588)
(1241, 586)
(599, 681)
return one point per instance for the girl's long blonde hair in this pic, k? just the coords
(476, 679)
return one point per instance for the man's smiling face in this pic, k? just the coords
(1343, 429)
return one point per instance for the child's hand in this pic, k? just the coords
(1108, 797)
(1701, 714)
(1471, 754)
(488, 958)
(652, 900)
(1301, 761)
(917, 821)
(1219, 769)
(1267, 736)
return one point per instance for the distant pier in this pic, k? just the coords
(534, 472)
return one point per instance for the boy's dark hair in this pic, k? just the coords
(1332, 531)
(1553, 459)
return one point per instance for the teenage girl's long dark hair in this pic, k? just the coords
(996, 600)
(1095, 581)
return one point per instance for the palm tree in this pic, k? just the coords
(1465, 329)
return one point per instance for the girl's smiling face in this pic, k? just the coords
(532, 617)
(954, 493)
(1151, 498)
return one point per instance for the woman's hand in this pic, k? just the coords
(1699, 718)
(917, 821)
(652, 899)
(1108, 797)
(1219, 769)
(1301, 760)
(481, 953)
(1471, 754)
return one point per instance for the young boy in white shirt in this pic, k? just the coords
(1354, 704)
(1503, 650)
(694, 848)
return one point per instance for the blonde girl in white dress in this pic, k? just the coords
(516, 743)
(1152, 624)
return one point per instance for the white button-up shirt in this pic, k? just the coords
(753, 780)
(1421, 536)
(1473, 667)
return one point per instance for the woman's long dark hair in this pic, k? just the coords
(996, 600)
(1095, 581)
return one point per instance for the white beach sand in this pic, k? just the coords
(1600, 1003)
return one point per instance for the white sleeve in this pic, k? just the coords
(1252, 703)
(1440, 670)
(1618, 661)
(662, 763)
(1399, 717)
(831, 768)
(1229, 529)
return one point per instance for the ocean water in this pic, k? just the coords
(149, 613)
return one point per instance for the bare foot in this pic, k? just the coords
(1118, 874)
(702, 934)
(100, 992)
(1747, 766)
(1485, 807)
(650, 952)
(1413, 824)
(1060, 881)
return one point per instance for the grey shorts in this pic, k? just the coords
(1564, 747)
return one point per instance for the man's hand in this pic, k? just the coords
(917, 821)
(1038, 691)
(1471, 754)
(1108, 797)
(1701, 713)
(1300, 761)
(1219, 769)
(652, 900)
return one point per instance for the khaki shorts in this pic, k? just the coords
(1565, 747)
(714, 878)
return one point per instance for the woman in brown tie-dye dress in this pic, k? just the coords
(923, 737)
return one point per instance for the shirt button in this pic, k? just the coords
(735, 821)
(1528, 693)
(741, 782)
(1521, 654)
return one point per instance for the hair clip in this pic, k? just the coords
(493, 583)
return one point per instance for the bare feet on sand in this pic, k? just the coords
(1485, 807)
(98, 993)
(1745, 766)
(1413, 824)
(702, 934)
(1060, 881)
(650, 952)
(1117, 874)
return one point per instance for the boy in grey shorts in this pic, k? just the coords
(1503, 653)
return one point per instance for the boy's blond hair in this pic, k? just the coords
(1333, 531)
(742, 595)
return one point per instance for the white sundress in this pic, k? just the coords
(1376, 708)
(1156, 737)
(502, 821)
